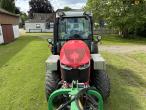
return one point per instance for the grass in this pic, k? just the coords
(128, 81)
(22, 76)
(36, 34)
(117, 40)
(22, 73)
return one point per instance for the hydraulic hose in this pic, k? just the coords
(77, 96)
(84, 92)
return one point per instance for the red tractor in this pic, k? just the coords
(75, 57)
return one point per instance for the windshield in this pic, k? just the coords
(74, 27)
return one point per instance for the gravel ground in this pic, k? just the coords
(122, 49)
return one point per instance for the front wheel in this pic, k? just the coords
(100, 80)
(52, 80)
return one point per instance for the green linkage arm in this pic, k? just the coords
(73, 92)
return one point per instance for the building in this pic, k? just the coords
(9, 26)
(40, 22)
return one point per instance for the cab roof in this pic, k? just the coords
(71, 13)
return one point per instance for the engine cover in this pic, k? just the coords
(75, 53)
(75, 61)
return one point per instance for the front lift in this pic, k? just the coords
(75, 93)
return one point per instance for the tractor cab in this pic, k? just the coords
(73, 25)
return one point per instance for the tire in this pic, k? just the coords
(101, 82)
(52, 80)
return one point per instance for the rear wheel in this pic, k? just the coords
(52, 80)
(101, 81)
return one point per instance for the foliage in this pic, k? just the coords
(126, 15)
(8, 5)
(40, 6)
(23, 17)
(17, 10)
(142, 31)
(66, 8)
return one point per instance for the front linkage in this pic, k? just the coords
(75, 93)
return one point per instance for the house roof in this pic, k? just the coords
(8, 13)
(42, 17)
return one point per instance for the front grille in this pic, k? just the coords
(81, 74)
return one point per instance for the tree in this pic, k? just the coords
(0, 2)
(23, 17)
(8, 5)
(40, 6)
(17, 10)
(126, 15)
(66, 8)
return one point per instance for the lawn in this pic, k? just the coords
(128, 81)
(117, 40)
(22, 75)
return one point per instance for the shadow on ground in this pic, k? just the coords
(122, 98)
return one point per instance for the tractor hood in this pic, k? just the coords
(74, 53)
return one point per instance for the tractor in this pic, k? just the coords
(76, 77)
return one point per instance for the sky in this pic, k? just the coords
(57, 4)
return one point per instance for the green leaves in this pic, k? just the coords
(66, 8)
(121, 14)
(8, 5)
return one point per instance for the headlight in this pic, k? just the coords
(66, 67)
(80, 67)
(84, 66)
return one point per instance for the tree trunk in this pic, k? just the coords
(125, 33)
(135, 31)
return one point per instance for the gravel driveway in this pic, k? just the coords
(122, 49)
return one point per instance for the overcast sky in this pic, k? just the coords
(76, 4)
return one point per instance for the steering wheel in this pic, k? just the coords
(73, 31)
(76, 36)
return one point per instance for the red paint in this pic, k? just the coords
(8, 33)
(75, 53)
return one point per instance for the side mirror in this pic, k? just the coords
(99, 38)
(50, 41)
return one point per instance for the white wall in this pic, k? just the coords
(32, 27)
(1, 35)
(16, 31)
(49, 30)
